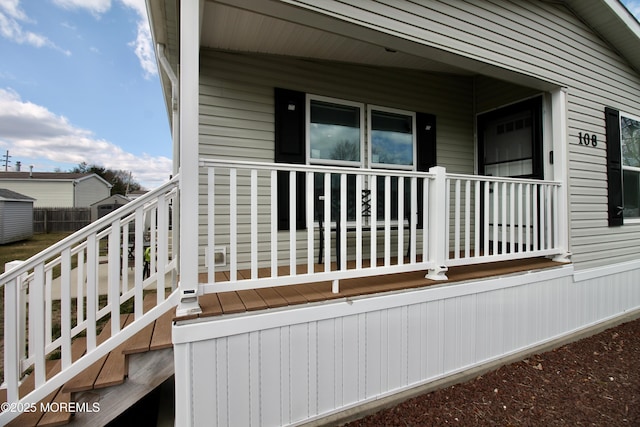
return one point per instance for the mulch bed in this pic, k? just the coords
(591, 382)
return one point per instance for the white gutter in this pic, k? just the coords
(175, 119)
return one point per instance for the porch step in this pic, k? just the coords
(110, 370)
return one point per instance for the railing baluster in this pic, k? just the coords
(456, 222)
(293, 222)
(80, 287)
(358, 222)
(503, 217)
(426, 250)
(549, 222)
(163, 246)
(65, 309)
(139, 262)
(11, 347)
(520, 224)
(400, 247)
(512, 218)
(467, 219)
(310, 181)
(343, 222)
(233, 224)
(114, 254)
(534, 219)
(274, 223)
(373, 239)
(327, 222)
(254, 223)
(92, 290)
(37, 322)
(477, 222)
(527, 213)
(47, 305)
(387, 220)
(413, 219)
(211, 224)
(487, 216)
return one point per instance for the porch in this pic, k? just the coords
(331, 221)
(234, 302)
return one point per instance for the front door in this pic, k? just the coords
(509, 145)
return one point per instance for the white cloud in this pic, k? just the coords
(95, 7)
(11, 19)
(143, 44)
(31, 131)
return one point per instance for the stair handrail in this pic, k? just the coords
(22, 325)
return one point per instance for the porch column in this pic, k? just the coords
(437, 227)
(190, 17)
(560, 169)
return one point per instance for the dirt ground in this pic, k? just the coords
(591, 382)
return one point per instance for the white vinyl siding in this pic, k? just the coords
(528, 40)
(237, 114)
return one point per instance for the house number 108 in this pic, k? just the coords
(588, 140)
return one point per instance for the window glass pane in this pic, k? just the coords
(391, 138)
(334, 131)
(630, 130)
(631, 194)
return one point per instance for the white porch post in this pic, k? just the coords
(438, 229)
(560, 169)
(190, 16)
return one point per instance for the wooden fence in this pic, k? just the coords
(55, 220)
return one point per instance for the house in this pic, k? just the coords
(472, 170)
(16, 216)
(58, 189)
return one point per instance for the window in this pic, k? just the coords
(392, 138)
(315, 129)
(335, 131)
(630, 151)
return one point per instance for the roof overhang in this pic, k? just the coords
(280, 28)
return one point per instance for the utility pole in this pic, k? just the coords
(6, 161)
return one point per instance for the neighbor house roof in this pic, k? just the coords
(8, 195)
(50, 176)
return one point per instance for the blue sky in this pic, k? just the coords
(78, 82)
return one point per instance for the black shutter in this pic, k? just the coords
(290, 148)
(426, 140)
(426, 153)
(614, 167)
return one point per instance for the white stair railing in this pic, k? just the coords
(72, 288)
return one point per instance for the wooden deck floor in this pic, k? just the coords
(215, 304)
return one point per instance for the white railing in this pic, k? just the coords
(495, 219)
(78, 284)
(379, 222)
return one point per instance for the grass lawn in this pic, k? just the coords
(22, 251)
(27, 248)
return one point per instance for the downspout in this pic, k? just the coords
(175, 118)
(175, 138)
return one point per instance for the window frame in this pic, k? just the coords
(414, 138)
(626, 219)
(329, 162)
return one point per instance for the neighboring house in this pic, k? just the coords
(16, 216)
(107, 205)
(423, 151)
(58, 189)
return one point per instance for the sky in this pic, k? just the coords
(79, 83)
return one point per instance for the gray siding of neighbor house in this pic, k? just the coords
(16, 220)
(541, 40)
(89, 191)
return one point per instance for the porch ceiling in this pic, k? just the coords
(234, 28)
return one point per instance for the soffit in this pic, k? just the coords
(230, 28)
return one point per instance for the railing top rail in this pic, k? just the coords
(501, 179)
(309, 168)
(82, 234)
